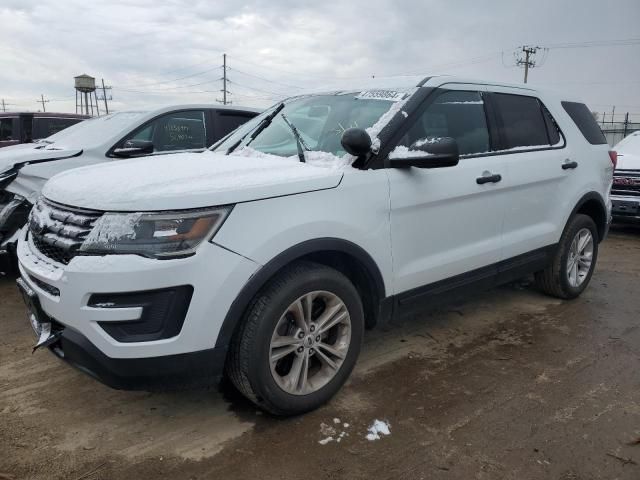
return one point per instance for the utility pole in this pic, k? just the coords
(626, 125)
(104, 94)
(613, 115)
(528, 60)
(43, 101)
(224, 79)
(4, 109)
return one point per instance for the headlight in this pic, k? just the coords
(157, 235)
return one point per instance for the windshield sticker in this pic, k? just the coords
(389, 95)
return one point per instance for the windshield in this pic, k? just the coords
(320, 120)
(95, 130)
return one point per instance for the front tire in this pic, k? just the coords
(299, 340)
(574, 260)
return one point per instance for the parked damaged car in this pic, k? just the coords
(24, 169)
(269, 255)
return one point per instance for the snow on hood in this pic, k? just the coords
(628, 161)
(188, 180)
(32, 152)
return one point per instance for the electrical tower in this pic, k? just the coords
(224, 90)
(528, 61)
(42, 101)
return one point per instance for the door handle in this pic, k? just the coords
(495, 178)
(569, 165)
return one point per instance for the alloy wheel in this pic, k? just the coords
(580, 257)
(310, 343)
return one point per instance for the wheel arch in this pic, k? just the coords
(592, 205)
(345, 256)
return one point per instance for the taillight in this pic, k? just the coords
(613, 155)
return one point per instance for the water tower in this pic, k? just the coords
(86, 97)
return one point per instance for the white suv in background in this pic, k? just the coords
(24, 169)
(625, 194)
(328, 213)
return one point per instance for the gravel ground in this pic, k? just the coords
(509, 384)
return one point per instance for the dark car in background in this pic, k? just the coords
(26, 127)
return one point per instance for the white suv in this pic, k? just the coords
(326, 214)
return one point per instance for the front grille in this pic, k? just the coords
(57, 231)
(626, 182)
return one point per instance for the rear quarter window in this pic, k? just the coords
(585, 122)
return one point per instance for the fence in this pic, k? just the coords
(616, 126)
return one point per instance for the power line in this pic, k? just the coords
(595, 43)
(174, 79)
(264, 79)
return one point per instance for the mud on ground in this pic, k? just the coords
(509, 384)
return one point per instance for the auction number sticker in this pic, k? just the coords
(381, 95)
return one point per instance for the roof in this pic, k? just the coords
(191, 106)
(410, 82)
(45, 114)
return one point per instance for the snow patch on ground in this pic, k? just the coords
(378, 428)
(331, 432)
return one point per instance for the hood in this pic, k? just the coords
(189, 180)
(628, 161)
(18, 155)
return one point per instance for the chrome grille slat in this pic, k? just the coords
(57, 231)
(626, 183)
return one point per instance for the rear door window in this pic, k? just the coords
(228, 122)
(583, 118)
(521, 121)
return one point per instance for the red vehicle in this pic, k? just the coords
(25, 127)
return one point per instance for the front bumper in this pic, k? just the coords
(204, 367)
(625, 208)
(65, 294)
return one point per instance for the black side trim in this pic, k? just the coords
(203, 367)
(603, 223)
(260, 278)
(480, 279)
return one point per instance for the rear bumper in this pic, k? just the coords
(200, 368)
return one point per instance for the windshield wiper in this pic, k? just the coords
(299, 141)
(266, 121)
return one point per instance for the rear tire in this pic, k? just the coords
(574, 260)
(286, 357)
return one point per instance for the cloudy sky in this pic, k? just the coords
(154, 52)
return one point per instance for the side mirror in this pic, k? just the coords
(132, 148)
(356, 141)
(427, 153)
